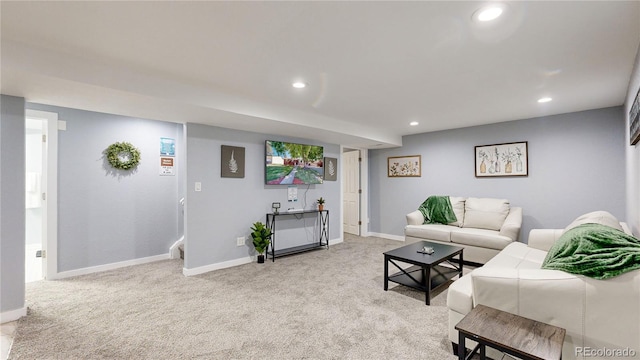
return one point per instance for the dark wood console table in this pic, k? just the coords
(323, 234)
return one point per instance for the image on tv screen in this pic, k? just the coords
(293, 164)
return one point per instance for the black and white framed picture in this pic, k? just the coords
(232, 162)
(634, 120)
(330, 169)
(509, 159)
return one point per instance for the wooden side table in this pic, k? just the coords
(509, 333)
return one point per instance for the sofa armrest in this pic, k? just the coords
(512, 224)
(415, 218)
(543, 239)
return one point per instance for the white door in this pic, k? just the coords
(351, 195)
(34, 217)
(41, 216)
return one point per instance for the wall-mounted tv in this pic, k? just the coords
(293, 164)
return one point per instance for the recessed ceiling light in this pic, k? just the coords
(544, 99)
(488, 13)
(414, 123)
(299, 85)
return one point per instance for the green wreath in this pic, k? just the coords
(123, 155)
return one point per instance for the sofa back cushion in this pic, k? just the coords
(457, 203)
(485, 213)
(596, 217)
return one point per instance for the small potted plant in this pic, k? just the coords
(261, 239)
(320, 204)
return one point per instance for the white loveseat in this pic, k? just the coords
(599, 315)
(484, 227)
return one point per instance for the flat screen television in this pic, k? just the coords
(293, 164)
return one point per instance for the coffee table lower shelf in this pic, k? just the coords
(440, 275)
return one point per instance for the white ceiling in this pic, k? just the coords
(371, 67)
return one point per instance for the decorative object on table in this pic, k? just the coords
(508, 159)
(404, 166)
(261, 239)
(320, 204)
(232, 161)
(275, 206)
(634, 120)
(330, 169)
(428, 250)
(123, 155)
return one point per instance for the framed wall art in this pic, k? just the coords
(330, 169)
(509, 159)
(634, 120)
(232, 162)
(404, 166)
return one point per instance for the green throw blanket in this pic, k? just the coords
(437, 209)
(594, 250)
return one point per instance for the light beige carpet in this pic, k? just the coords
(326, 304)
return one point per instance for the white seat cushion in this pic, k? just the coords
(480, 237)
(439, 232)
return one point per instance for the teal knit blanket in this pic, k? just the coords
(594, 250)
(437, 209)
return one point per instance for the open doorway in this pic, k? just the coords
(34, 132)
(41, 143)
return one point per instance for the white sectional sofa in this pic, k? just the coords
(484, 227)
(599, 315)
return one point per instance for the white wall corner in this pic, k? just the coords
(174, 252)
(13, 315)
(336, 241)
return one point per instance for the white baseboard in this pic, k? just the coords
(174, 252)
(232, 263)
(112, 266)
(218, 266)
(13, 315)
(387, 236)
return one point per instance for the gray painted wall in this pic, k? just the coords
(107, 216)
(227, 207)
(12, 206)
(576, 165)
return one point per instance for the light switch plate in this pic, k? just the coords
(198, 186)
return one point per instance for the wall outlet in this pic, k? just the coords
(240, 241)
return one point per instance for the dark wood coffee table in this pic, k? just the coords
(509, 333)
(426, 274)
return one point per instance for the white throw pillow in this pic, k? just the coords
(485, 213)
(596, 217)
(457, 203)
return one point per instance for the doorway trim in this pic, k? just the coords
(50, 187)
